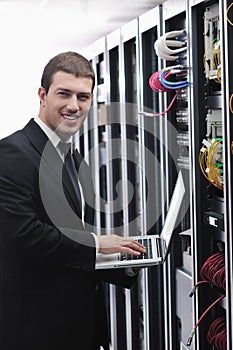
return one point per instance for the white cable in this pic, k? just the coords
(164, 56)
(175, 33)
(175, 43)
(162, 44)
(160, 53)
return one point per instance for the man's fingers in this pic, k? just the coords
(114, 243)
(134, 247)
(136, 244)
(130, 251)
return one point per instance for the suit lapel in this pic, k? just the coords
(86, 182)
(49, 154)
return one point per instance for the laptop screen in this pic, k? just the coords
(172, 214)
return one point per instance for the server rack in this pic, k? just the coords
(208, 199)
(150, 148)
(159, 313)
(175, 270)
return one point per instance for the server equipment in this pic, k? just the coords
(163, 104)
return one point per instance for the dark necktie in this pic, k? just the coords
(65, 149)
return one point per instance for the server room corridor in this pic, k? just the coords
(161, 110)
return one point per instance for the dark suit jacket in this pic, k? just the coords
(50, 294)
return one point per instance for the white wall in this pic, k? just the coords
(21, 67)
(33, 31)
(19, 72)
(22, 59)
(28, 39)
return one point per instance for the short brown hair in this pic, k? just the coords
(69, 62)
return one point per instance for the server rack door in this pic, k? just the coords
(208, 178)
(150, 150)
(172, 49)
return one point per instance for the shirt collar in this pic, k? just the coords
(52, 136)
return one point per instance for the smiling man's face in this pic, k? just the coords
(66, 105)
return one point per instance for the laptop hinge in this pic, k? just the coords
(161, 247)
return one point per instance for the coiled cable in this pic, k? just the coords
(212, 272)
(168, 49)
(217, 334)
(230, 103)
(227, 14)
(166, 80)
(189, 341)
(210, 161)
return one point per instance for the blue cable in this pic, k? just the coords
(171, 85)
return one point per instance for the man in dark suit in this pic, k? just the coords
(50, 292)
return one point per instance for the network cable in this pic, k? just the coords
(190, 339)
(165, 80)
(227, 14)
(210, 161)
(212, 272)
(168, 49)
(214, 71)
(217, 334)
(230, 103)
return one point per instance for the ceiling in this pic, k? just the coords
(69, 21)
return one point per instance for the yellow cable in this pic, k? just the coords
(228, 9)
(215, 59)
(214, 176)
(230, 103)
(218, 73)
(208, 166)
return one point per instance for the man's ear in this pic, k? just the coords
(42, 95)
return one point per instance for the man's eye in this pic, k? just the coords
(83, 97)
(63, 93)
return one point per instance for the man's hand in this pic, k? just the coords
(110, 244)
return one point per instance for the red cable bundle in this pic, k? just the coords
(217, 334)
(213, 270)
(156, 84)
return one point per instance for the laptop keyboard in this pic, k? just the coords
(148, 255)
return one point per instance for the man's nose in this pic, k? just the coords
(73, 103)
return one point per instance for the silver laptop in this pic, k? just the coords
(157, 245)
